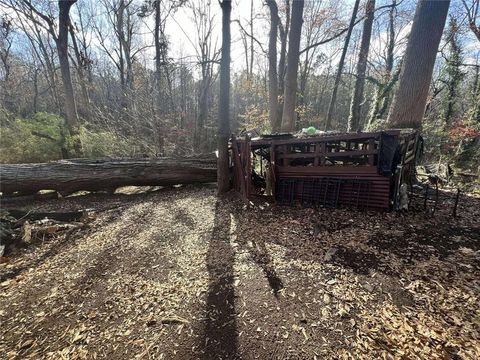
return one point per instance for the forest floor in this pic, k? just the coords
(178, 274)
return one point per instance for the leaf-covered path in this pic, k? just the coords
(177, 274)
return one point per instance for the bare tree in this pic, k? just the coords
(284, 31)
(60, 36)
(354, 123)
(62, 47)
(333, 99)
(290, 94)
(385, 85)
(472, 10)
(273, 111)
(6, 30)
(410, 98)
(223, 171)
(82, 62)
(207, 56)
(122, 23)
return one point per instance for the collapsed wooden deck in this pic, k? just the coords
(354, 169)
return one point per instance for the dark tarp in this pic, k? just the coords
(388, 156)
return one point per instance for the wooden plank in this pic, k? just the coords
(371, 147)
(248, 168)
(325, 138)
(322, 170)
(318, 151)
(272, 170)
(328, 154)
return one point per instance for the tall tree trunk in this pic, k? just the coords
(410, 97)
(333, 99)
(120, 12)
(383, 93)
(252, 53)
(81, 75)
(354, 123)
(284, 31)
(62, 48)
(475, 110)
(223, 171)
(35, 89)
(158, 56)
(273, 112)
(159, 98)
(390, 58)
(381, 98)
(200, 138)
(289, 98)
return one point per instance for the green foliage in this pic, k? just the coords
(103, 144)
(32, 140)
(42, 138)
(459, 144)
(453, 75)
(255, 118)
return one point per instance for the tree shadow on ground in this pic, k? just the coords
(220, 340)
(264, 260)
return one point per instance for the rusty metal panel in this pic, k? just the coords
(351, 159)
(378, 195)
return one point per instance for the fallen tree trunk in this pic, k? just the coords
(68, 176)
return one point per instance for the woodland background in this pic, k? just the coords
(145, 75)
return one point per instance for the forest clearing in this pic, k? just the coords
(234, 179)
(176, 273)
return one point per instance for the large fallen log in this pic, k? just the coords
(67, 176)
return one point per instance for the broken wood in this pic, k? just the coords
(68, 216)
(68, 176)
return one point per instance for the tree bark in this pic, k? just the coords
(223, 169)
(410, 98)
(333, 99)
(158, 55)
(284, 31)
(273, 112)
(289, 98)
(80, 62)
(62, 48)
(357, 98)
(475, 109)
(68, 176)
(390, 58)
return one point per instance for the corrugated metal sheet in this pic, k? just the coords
(376, 196)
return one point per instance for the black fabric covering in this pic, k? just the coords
(389, 154)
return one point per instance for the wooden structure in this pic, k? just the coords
(352, 169)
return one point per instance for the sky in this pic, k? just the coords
(181, 28)
(182, 34)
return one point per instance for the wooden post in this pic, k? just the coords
(272, 169)
(436, 198)
(425, 198)
(248, 167)
(456, 203)
(371, 147)
(323, 150)
(316, 159)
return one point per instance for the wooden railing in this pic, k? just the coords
(348, 149)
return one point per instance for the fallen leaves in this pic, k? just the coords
(137, 284)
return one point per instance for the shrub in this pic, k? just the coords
(105, 144)
(32, 140)
(42, 137)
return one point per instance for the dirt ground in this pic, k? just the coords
(178, 274)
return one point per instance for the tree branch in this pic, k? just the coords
(343, 31)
